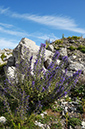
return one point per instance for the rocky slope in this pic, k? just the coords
(72, 47)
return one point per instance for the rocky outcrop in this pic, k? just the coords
(68, 47)
(4, 56)
(75, 50)
(25, 49)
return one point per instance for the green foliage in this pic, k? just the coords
(60, 45)
(67, 119)
(81, 48)
(58, 41)
(72, 48)
(56, 107)
(78, 90)
(2, 68)
(74, 37)
(80, 108)
(83, 105)
(69, 37)
(34, 92)
(56, 126)
(56, 47)
(47, 42)
(74, 121)
(3, 56)
(68, 99)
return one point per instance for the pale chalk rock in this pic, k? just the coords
(83, 124)
(2, 119)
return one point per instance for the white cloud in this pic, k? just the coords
(56, 22)
(4, 10)
(37, 35)
(12, 32)
(5, 43)
(44, 37)
(63, 23)
(6, 25)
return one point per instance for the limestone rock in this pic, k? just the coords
(27, 48)
(50, 48)
(11, 61)
(75, 66)
(63, 52)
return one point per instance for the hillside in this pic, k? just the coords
(63, 113)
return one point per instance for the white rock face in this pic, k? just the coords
(76, 66)
(25, 43)
(7, 53)
(83, 124)
(2, 119)
(63, 52)
(26, 48)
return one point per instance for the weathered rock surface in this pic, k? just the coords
(76, 61)
(25, 49)
(76, 58)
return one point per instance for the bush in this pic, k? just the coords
(72, 48)
(58, 41)
(74, 121)
(79, 89)
(74, 37)
(56, 47)
(3, 56)
(83, 50)
(35, 91)
(47, 42)
(2, 67)
(81, 47)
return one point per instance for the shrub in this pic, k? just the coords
(74, 37)
(83, 50)
(56, 47)
(72, 47)
(58, 41)
(3, 56)
(2, 67)
(81, 47)
(79, 89)
(74, 121)
(69, 37)
(47, 42)
(36, 91)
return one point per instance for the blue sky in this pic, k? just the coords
(40, 20)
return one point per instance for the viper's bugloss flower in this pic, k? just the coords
(40, 88)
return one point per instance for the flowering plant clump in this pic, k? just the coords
(36, 87)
